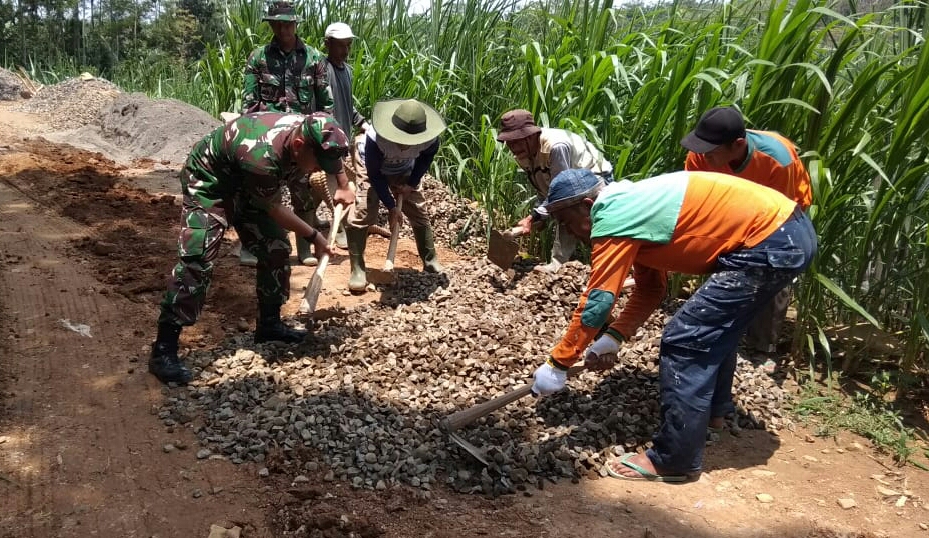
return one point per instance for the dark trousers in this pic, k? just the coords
(698, 346)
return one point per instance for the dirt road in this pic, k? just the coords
(85, 245)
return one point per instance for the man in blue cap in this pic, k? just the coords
(750, 240)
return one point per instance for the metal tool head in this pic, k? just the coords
(469, 448)
(502, 249)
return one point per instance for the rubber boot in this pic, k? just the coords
(357, 239)
(304, 254)
(164, 362)
(246, 258)
(425, 245)
(270, 328)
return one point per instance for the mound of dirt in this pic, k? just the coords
(10, 86)
(159, 129)
(72, 103)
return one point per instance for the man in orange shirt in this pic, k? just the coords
(720, 143)
(752, 241)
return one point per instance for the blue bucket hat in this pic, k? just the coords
(570, 187)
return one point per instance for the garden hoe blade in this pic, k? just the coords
(469, 448)
(503, 247)
(311, 295)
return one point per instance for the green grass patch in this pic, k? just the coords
(829, 410)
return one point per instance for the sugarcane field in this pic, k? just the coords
(464, 268)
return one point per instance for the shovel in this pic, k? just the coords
(394, 237)
(462, 418)
(311, 295)
(387, 275)
(503, 247)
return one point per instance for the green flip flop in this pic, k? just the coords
(643, 474)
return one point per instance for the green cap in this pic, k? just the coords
(330, 142)
(281, 11)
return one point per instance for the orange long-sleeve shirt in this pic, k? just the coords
(717, 214)
(772, 161)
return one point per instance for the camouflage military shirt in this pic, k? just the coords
(276, 81)
(251, 157)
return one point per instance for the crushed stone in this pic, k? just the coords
(11, 87)
(72, 103)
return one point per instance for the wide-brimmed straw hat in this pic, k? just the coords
(281, 11)
(406, 121)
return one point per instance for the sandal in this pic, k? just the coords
(643, 474)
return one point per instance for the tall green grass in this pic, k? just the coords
(852, 90)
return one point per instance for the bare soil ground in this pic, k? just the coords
(86, 241)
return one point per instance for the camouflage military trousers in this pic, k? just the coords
(202, 230)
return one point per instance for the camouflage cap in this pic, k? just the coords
(281, 10)
(331, 144)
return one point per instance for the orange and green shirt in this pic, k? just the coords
(772, 161)
(677, 222)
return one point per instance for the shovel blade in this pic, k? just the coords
(502, 250)
(469, 448)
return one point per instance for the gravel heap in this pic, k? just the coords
(72, 103)
(11, 87)
(362, 400)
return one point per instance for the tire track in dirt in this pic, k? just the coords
(80, 451)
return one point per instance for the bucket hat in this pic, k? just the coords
(406, 121)
(571, 186)
(516, 125)
(281, 11)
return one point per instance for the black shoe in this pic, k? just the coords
(276, 331)
(166, 366)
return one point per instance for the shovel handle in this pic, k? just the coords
(469, 415)
(394, 237)
(514, 232)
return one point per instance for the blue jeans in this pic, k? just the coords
(698, 346)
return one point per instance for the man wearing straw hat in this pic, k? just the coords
(543, 153)
(750, 240)
(399, 148)
(286, 75)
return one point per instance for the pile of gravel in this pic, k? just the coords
(73, 103)
(11, 87)
(162, 130)
(361, 402)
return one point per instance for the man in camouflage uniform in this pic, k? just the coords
(286, 75)
(233, 177)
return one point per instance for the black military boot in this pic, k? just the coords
(164, 362)
(270, 328)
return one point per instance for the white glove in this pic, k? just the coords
(604, 345)
(548, 379)
(602, 354)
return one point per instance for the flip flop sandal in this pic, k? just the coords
(643, 474)
(769, 367)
